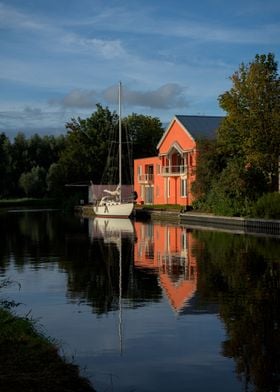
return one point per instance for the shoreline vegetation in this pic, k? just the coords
(29, 202)
(29, 361)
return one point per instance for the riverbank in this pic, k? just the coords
(197, 219)
(28, 202)
(30, 362)
(237, 224)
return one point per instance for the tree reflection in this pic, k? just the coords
(242, 274)
(238, 273)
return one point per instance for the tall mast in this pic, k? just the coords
(120, 142)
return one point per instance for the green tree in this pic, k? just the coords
(251, 129)
(91, 146)
(5, 165)
(19, 162)
(55, 180)
(145, 133)
(34, 182)
(210, 163)
(44, 150)
(87, 146)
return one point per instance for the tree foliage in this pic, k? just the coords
(144, 133)
(34, 182)
(87, 145)
(5, 167)
(251, 129)
(91, 145)
(242, 164)
(210, 163)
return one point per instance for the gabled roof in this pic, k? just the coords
(201, 126)
(197, 127)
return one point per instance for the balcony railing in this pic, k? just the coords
(174, 170)
(146, 178)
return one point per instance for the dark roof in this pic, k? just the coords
(201, 126)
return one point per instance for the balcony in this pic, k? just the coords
(174, 170)
(146, 178)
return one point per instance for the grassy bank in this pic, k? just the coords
(29, 202)
(30, 362)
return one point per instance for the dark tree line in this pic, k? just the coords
(42, 165)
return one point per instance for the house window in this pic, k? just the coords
(183, 187)
(139, 170)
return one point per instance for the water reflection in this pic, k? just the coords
(242, 273)
(150, 271)
(167, 251)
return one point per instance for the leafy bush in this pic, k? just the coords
(267, 206)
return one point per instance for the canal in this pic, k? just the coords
(148, 306)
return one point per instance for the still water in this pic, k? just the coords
(148, 306)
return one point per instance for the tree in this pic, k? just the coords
(144, 132)
(55, 180)
(34, 182)
(87, 146)
(44, 150)
(19, 162)
(210, 163)
(90, 144)
(5, 165)
(251, 129)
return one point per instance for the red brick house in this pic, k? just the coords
(167, 177)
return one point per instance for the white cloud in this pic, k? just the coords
(12, 18)
(106, 48)
(167, 96)
(77, 98)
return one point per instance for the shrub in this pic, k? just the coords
(267, 206)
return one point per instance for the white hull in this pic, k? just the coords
(113, 210)
(111, 229)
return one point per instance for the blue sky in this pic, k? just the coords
(59, 58)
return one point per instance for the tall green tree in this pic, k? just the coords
(44, 150)
(87, 146)
(90, 145)
(251, 129)
(5, 165)
(145, 133)
(19, 162)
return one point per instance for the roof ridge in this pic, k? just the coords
(197, 115)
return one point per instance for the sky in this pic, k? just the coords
(59, 58)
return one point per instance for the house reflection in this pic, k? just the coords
(167, 250)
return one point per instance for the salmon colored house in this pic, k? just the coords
(167, 251)
(167, 177)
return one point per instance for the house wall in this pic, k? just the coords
(177, 134)
(177, 145)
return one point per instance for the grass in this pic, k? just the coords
(30, 362)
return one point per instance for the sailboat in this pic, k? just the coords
(112, 204)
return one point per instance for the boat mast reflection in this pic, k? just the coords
(113, 231)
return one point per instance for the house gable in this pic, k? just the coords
(186, 130)
(175, 135)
